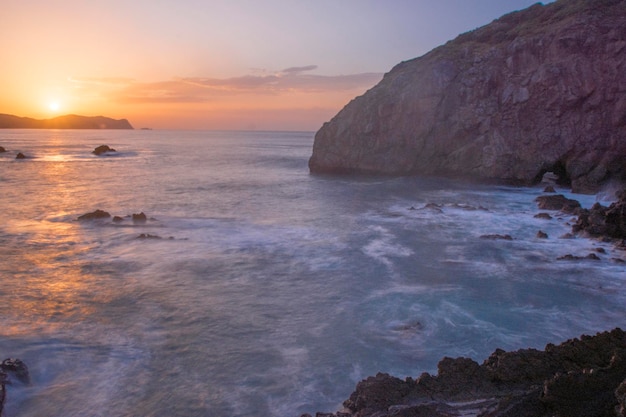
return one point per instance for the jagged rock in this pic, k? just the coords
(2, 150)
(557, 202)
(580, 378)
(20, 155)
(541, 235)
(539, 90)
(98, 214)
(549, 189)
(103, 149)
(496, 237)
(545, 216)
(604, 221)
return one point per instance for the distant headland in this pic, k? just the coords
(70, 121)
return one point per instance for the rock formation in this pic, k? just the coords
(538, 90)
(70, 121)
(583, 377)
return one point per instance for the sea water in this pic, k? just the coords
(257, 289)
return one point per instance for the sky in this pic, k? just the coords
(216, 64)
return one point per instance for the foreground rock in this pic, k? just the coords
(16, 369)
(583, 377)
(539, 90)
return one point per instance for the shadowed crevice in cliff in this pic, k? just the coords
(537, 90)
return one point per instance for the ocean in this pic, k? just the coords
(257, 289)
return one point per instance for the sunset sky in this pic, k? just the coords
(216, 64)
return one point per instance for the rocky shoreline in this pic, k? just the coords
(583, 377)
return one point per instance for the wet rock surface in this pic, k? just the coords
(582, 377)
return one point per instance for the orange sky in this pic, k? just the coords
(215, 64)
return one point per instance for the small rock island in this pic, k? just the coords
(70, 121)
(535, 91)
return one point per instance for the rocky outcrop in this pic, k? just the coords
(579, 378)
(539, 90)
(70, 121)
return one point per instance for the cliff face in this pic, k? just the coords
(543, 89)
(71, 121)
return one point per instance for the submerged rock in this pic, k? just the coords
(20, 155)
(496, 237)
(580, 378)
(538, 90)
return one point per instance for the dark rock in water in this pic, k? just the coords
(542, 235)
(20, 155)
(117, 219)
(549, 189)
(604, 221)
(2, 149)
(98, 214)
(140, 218)
(545, 216)
(580, 378)
(15, 368)
(497, 237)
(535, 91)
(102, 149)
(557, 202)
(567, 236)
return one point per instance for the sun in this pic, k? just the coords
(54, 106)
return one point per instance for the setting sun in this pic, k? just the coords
(54, 106)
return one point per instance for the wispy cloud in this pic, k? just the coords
(208, 89)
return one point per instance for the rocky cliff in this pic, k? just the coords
(538, 90)
(71, 121)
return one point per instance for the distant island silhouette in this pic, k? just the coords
(70, 121)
